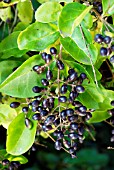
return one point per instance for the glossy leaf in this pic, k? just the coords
(6, 68)
(83, 39)
(20, 138)
(25, 11)
(38, 36)
(90, 71)
(7, 114)
(20, 26)
(107, 5)
(21, 82)
(48, 12)
(98, 116)
(71, 47)
(22, 159)
(5, 14)
(71, 16)
(9, 48)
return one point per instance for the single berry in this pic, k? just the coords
(36, 68)
(43, 113)
(73, 95)
(14, 104)
(49, 75)
(5, 162)
(74, 126)
(16, 164)
(28, 123)
(36, 89)
(112, 47)
(69, 112)
(56, 122)
(46, 128)
(66, 143)
(72, 136)
(49, 120)
(99, 38)
(107, 40)
(76, 103)
(71, 71)
(72, 77)
(58, 145)
(63, 114)
(109, 51)
(112, 103)
(80, 130)
(44, 55)
(35, 103)
(112, 59)
(103, 51)
(48, 58)
(25, 109)
(113, 131)
(62, 99)
(63, 88)
(51, 100)
(34, 109)
(99, 8)
(73, 155)
(73, 118)
(80, 89)
(40, 108)
(112, 139)
(82, 109)
(83, 76)
(71, 150)
(60, 135)
(44, 82)
(53, 50)
(45, 103)
(111, 112)
(60, 64)
(36, 116)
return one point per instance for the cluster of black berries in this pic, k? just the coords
(56, 107)
(108, 46)
(13, 165)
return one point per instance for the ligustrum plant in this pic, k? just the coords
(52, 84)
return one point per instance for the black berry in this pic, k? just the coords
(72, 136)
(49, 75)
(62, 99)
(80, 89)
(35, 103)
(44, 82)
(43, 113)
(44, 55)
(36, 116)
(49, 120)
(60, 64)
(99, 38)
(25, 109)
(103, 51)
(36, 89)
(5, 162)
(83, 76)
(107, 40)
(112, 103)
(14, 104)
(63, 88)
(112, 59)
(112, 47)
(58, 145)
(53, 50)
(48, 58)
(74, 126)
(69, 112)
(28, 123)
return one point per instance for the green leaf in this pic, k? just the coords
(22, 159)
(5, 14)
(83, 39)
(2, 4)
(40, 36)
(90, 71)
(111, 10)
(71, 16)
(71, 47)
(9, 48)
(43, 1)
(88, 21)
(20, 26)
(20, 138)
(6, 68)
(48, 12)
(107, 5)
(21, 82)
(7, 114)
(25, 11)
(98, 116)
